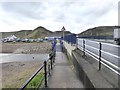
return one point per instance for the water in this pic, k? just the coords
(4, 58)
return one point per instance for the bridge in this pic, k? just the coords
(89, 64)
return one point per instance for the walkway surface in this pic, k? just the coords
(62, 74)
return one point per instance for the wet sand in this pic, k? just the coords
(14, 74)
(26, 48)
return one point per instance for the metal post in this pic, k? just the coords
(63, 34)
(53, 59)
(51, 62)
(45, 70)
(84, 47)
(54, 56)
(49, 68)
(100, 56)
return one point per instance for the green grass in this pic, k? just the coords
(35, 81)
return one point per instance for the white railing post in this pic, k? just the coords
(84, 47)
(100, 55)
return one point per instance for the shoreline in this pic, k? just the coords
(15, 73)
(22, 57)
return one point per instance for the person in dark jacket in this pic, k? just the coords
(54, 44)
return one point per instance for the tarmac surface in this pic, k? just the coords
(62, 75)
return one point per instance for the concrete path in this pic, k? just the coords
(62, 74)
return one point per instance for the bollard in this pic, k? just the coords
(45, 70)
(100, 56)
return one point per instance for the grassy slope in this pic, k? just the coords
(20, 34)
(60, 33)
(36, 80)
(39, 32)
(99, 31)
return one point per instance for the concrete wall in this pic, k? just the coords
(88, 74)
(68, 47)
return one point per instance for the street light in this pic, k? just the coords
(63, 29)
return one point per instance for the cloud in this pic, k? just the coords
(76, 16)
(24, 9)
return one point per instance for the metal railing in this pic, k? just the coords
(47, 66)
(71, 39)
(106, 54)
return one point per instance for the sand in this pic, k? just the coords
(26, 48)
(14, 74)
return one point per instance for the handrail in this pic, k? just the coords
(27, 82)
(98, 56)
(44, 65)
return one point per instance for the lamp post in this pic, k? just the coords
(63, 29)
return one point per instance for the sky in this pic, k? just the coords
(75, 15)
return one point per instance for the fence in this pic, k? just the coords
(97, 37)
(46, 67)
(70, 38)
(104, 53)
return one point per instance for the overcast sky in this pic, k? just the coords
(75, 15)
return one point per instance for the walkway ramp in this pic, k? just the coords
(62, 75)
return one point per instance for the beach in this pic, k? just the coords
(14, 74)
(26, 48)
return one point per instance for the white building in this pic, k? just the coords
(9, 38)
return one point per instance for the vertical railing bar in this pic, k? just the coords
(45, 71)
(84, 47)
(100, 55)
(51, 60)
(27, 82)
(49, 69)
(100, 58)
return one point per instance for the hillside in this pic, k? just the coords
(99, 31)
(19, 34)
(39, 32)
(60, 33)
